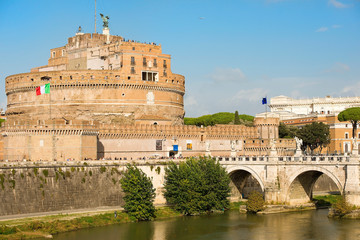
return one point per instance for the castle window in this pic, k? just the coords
(63, 52)
(117, 76)
(123, 94)
(132, 70)
(150, 76)
(92, 77)
(155, 63)
(53, 54)
(132, 61)
(45, 78)
(70, 77)
(165, 74)
(144, 62)
(60, 77)
(116, 56)
(129, 77)
(133, 48)
(165, 65)
(346, 135)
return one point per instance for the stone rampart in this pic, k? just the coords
(33, 189)
(55, 186)
(108, 96)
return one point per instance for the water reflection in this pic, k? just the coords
(231, 225)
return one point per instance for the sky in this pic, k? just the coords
(231, 52)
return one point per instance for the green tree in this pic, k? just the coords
(314, 135)
(286, 131)
(237, 119)
(255, 202)
(219, 118)
(352, 115)
(139, 194)
(197, 185)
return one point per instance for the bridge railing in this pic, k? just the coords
(243, 159)
(307, 159)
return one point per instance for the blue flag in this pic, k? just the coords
(264, 101)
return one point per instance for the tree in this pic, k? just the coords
(237, 119)
(314, 135)
(218, 118)
(286, 131)
(139, 194)
(255, 202)
(352, 115)
(197, 185)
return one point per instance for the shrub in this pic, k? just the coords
(5, 230)
(45, 172)
(255, 202)
(341, 207)
(197, 185)
(139, 194)
(102, 169)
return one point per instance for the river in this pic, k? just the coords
(231, 225)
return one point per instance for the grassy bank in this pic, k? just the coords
(326, 201)
(46, 226)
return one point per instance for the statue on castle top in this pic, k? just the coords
(299, 143)
(272, 144)
(105, 20)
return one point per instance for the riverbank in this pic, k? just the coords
(46, 226)
(49, 225)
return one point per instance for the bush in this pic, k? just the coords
(5, 230)
(197, 185)
(255, 202)
(139, 194)
(341, 207)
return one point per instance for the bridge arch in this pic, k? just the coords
(301, 183)
(240, 176)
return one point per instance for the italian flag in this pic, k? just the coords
(43, 89)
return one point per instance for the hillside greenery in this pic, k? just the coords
(220, 118)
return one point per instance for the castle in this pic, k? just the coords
(115, 98)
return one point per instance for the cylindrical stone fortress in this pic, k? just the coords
(120, 82)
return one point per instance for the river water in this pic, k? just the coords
(230, 225)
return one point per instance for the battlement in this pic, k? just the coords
(89, 78)
(178, 131)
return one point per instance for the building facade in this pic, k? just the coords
(116, 99)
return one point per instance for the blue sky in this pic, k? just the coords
(232, 53)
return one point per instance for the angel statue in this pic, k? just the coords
(105, 20)
(299, 143)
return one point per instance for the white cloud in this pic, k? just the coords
(339, 68)
(351, 90)
(322, 29)
(338, 4)
(336, 26)
(251, 95)
(190, 101)
(227, 75)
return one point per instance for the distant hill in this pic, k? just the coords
(219, 118)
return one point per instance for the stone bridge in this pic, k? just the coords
(291, 179)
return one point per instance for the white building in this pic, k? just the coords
(288, 107)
